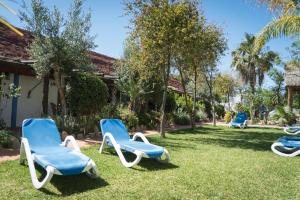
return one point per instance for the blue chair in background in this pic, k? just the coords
(41, 144)
(115, 134)
(292, 130)
(239, 121)
(287, 146)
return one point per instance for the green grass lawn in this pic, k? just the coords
(207, 163)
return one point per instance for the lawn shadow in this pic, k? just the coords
(147, 163)
(153, 165)
(68, 185)
(251, 138)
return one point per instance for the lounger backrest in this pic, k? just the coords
(41, 132)
(240, 117)
(115, 127)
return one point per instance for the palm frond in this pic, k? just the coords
(288, 26)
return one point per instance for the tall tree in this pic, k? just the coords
(60, 45)
(225, 85)
(252, 65)
(286, 24)
(159, 26)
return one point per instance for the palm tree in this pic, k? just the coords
(6, 23)
(287, 24)
(252, 65)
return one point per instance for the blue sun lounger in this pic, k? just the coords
(292, 130)
(287, 146)
(41, 144)
(115, 134)
(239, 121)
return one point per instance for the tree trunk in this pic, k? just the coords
(185, 98)
(229, 107)
(45, 95)
(212, 103)
(194, 99)
(60, 86)
(163, 104)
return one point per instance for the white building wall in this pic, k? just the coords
(6, 103)
(30, 106)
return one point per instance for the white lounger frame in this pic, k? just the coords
(285, 129)
(25, 153)
(293, 153)
(242, 125)
(139, 154)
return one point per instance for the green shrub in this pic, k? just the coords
(283, 117)
(149, 120)
(200, 116)
(181, 118)
(170, 103)
(227, 116)
(129, 118)
(5, 139)
(220, 111)
(87, 95)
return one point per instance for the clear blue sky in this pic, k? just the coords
(235, 16)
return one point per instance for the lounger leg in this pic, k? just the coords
(138, 154)
(166, 155)
(278, 144)
(50, 170)
(92, 170)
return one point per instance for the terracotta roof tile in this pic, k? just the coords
(14, 48)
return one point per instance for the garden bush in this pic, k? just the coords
(220, 111)
(181, 118)
(283, 117)
(5, 139)
(170, 103)
(200, 116)
(87, 95)
(129, 117)
(227, 117)
(149, 120)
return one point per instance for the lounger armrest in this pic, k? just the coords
(71, 139)
(142, 136)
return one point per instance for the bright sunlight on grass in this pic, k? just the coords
(207, 163)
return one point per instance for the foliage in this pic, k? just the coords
(227, 117)
(60, 44)
(149, 120)
(252, 66)
(160, 28)
(181, 103)
(239, 107)
(225, 85)
(5, 139)
(200, 116)
(129, 118)
(171, 102)
(220, 111)
(287, 24)
(278, 89)
(283, 117)
(87, 95)
(181, 118)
